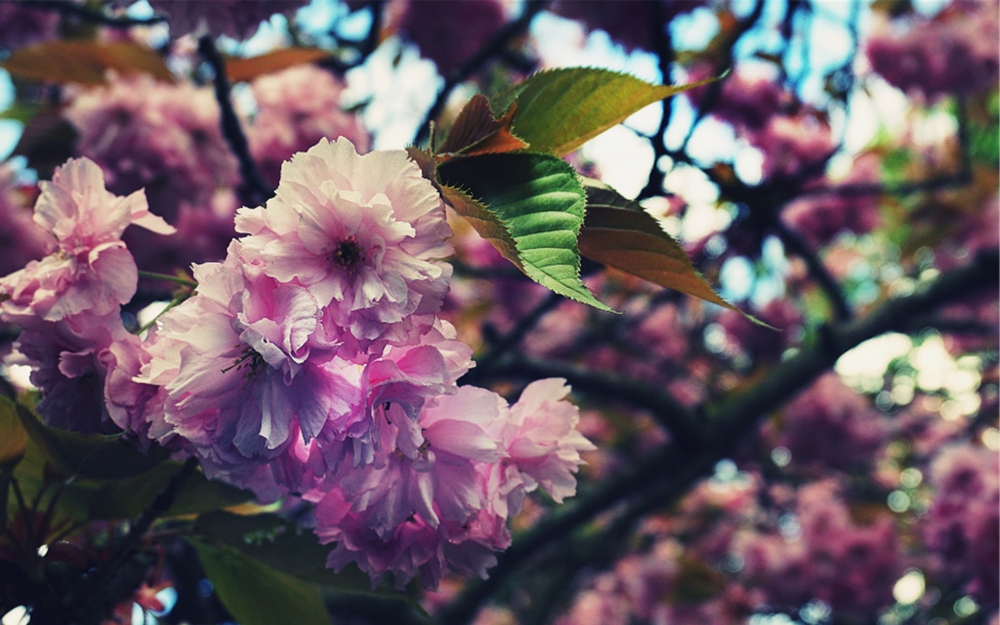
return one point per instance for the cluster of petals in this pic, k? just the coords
(820, 219)
(830, 425)
(67, 303)
(154, 135)
(851, 567)
(962, 527)
(362, 233)
(22, 25)
(88, 268)
(311, 361)
(235, 18)
(954, 52)
(296, 108)
(454, 476)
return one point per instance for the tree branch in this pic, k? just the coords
(667, 411)
(84, 12)
(827, 283)
(728, 423)
(122, 571)
(492, 48)
(254, 189)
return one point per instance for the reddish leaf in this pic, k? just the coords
(85, 62)
(476, 132)
(619, 234)
(240, 70)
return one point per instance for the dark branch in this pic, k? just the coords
(664, 475)
(798, 246)
(255, 190)
(123, 570)
(665, 56)
(509, 341)
(668, 412)
(84, 12)
(494, 47)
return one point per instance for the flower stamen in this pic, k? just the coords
(348, 253)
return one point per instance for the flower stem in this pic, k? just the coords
(162, 276)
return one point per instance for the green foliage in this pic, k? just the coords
(256, 594)
(89, 455)
(540, 201)
(531, 205)
(561, 109)
(13, 436)
(127, 498)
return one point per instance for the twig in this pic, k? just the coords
(798, 246)
(493, 47)
(168, 278)
(96, 601)
(512, 338)
(715, 89)
(728, 424)
(84, 12)
(665, 55)
(255, 189)
(667, 411)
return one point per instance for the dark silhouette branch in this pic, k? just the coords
(494, 47)
(88, 14)
(795, 244)
(666, 410)
(121, 573)
(254, 189)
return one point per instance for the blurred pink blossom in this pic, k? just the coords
(295, 109)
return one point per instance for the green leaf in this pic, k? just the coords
(540, 201)
(85, 62)
(484, 222)
(279, 544)
(256, 594)
(20, 112)
(619, 233)
(558, 110)
(13, 436)
(89, 455)
(126, 499)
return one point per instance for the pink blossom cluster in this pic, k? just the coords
(21, 25)
(819, 219)
(962, 527)
(954, 52)
(794, 138)
(448, 42)
(155, 136)
(310, 361)
(632, 23)
(831, 426)
(296, 108)
(235, 18)
(167, 140)
(850, 566)
(67, 303)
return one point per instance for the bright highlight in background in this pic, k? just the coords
(910, 587)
